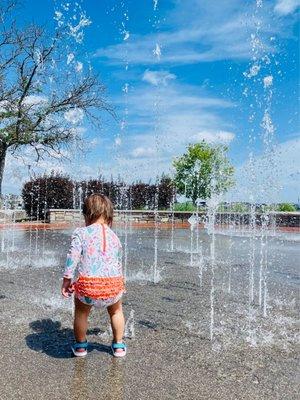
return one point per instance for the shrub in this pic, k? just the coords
(114, 190)
(287, 207)
(234, 207)
(59, 191)
(166, 192)
(138, 195)
(188, 206)
(41, 193)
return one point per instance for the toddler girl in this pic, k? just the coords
(94, 262)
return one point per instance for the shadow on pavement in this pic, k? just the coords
(51, 339)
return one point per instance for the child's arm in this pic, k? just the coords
(73, 258)
(67, 287)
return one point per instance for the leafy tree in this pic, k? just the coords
(42, 97)
(202, 171)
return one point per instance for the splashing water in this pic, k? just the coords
(75, 22)
(107, 334)
(156, 227)
(258, 229)
(261, 64)
(129, 331)
(157, 51)
(268, 81)
(124, 32)
(212, 205)
(172, 205)
(125, 252)
(192, 245)
(193, 221)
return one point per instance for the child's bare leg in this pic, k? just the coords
(117, 322)
(82, 312)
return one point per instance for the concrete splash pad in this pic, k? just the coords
(170, 352)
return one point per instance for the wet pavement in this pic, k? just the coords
(192, 335)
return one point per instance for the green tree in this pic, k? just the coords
(203, 170)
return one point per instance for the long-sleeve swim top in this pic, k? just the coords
(95, 251)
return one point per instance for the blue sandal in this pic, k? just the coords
(116, 346)
(80, 345)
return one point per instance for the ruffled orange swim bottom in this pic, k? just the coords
(99, 288)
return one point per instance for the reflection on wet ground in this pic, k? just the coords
(113, 378)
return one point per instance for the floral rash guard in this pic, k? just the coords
(94, 260)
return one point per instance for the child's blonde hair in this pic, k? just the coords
(96, 206)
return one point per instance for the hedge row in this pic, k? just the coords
(60, 191)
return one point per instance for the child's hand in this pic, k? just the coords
(67, 288)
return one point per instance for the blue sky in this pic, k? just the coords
(178, 71)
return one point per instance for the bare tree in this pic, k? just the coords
(41, 97)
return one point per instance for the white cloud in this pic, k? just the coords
(200, 31)
(4, 104)
(158, 77)
(214, 136)
(23, 165)
(74, 116)
(146, 169)
(19, 168)
(143, 152)
(163, 120)
(94, 142)
(33, 100)
(285, 7)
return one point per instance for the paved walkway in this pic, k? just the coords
(171, 355)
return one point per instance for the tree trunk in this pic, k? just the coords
(3, 149)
